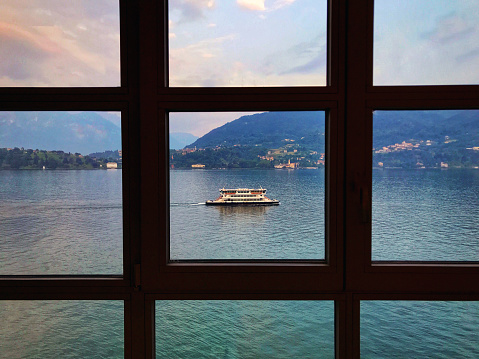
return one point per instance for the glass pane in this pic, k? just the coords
(61, 329)
(60, 208)
(237, 157)
(60, 43)
(425, 185)
(244, 329)
(414, 329)
(247, 43)
(423, 42)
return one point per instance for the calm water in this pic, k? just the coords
(61, 222)
(428, 215)
(69, 222)
(61, 329)
(413, 329)
(245, 329)
(292, 230)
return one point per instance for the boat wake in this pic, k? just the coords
(186, 204)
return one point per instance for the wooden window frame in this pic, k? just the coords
(122, 99)
(347, 276)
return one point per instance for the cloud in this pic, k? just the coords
(22, 35)
(281, 3)
(197, 64)
(312, 66)
(23, 53)
(254, 5)
(53, 43)
(451, 28)
(470, 55)
(191, 10)
(307, 57)
(438, 59)
(259, 5)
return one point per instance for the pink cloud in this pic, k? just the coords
(16, 33)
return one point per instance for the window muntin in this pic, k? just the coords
(425, 182)
(247, 43)
(282, 152)
(60, 43)
(244, 328)
(62, 328)
(61, 193)
(359, 118)
(423, 42)
(419, 329)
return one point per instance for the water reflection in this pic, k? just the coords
(242, 214)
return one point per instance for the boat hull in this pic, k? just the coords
(243, 204)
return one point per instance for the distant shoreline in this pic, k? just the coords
(58, 169)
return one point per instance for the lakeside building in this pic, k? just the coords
(289, 165)
(112, 165)
(184, 151)
(198, 165)
(399, 147)
(267, 158)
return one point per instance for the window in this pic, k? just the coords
(284, 152)
(408, 332)
(62, 193)
(247, 43)
(347, 286)
(73, 44)
(38, 328)
(440, 49)
(244, 328)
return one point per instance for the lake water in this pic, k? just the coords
(245, 329)
(61, 222)
(292, 230)
(425, 215)
(69, 222)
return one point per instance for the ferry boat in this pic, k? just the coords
(243, 197)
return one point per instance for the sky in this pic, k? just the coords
(200, 123)
(247, 42)
(235, 43)
(55, 43)
(426, 42)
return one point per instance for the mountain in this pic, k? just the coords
(390, 127)
(430, 139)
(407, 139)
(79, 132)
(268, 129)
(179, 140)
(275, 129)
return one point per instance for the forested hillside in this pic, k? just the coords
(269, 130)
(406, 139)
